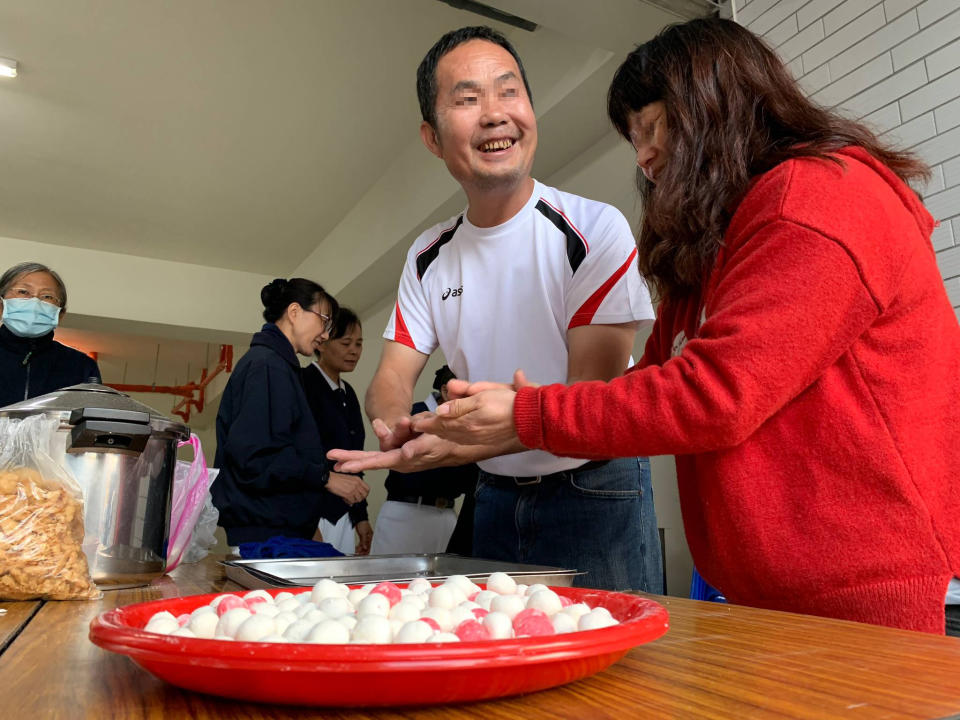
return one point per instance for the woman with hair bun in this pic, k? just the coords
(274, 478)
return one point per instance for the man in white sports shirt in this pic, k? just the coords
(527, 277)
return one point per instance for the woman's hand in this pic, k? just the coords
(364, 537)
(482, 415)
(349, 487)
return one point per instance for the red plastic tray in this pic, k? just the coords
(368, 675)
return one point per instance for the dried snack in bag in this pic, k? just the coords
(41, 518)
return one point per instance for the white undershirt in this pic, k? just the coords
(331, 383)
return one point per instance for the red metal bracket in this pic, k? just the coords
(193, 394)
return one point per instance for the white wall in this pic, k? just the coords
(134, 291)
(894, 64)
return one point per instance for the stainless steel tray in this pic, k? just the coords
(357, 570)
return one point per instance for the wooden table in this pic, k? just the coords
(716, 661)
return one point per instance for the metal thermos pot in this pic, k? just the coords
(122, 454)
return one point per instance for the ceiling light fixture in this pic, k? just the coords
(8, 67)
(492, 13)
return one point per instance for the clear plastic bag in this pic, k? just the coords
(191, 483)
(203, 538)
(41, 517)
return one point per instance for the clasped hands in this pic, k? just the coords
(477, 423)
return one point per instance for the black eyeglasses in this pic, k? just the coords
(327, 320)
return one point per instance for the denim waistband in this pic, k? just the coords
(521, 480)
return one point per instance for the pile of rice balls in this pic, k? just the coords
(457, 610)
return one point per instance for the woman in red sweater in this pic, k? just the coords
(805, 363)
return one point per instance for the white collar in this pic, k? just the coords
(431, 402)
(331, 383)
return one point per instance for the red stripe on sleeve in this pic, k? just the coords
(569, 222)
(400, 332)
(585, 314)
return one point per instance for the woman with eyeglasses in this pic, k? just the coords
(32, 363)
(274, 479)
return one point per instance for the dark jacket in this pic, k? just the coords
(273, 469)
(444, 482)
(36, 366)
(340, 422)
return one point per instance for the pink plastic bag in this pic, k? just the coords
(190, 484)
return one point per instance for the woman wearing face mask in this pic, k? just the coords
(32, 363)
(336, 411)
(274, 479)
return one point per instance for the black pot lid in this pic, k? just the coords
(92, 395)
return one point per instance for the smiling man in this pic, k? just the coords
(526, 277)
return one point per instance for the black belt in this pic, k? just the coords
(520, 480)
(442, 503)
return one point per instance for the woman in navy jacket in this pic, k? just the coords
(274, 477)
(33, 299)
(336, 410)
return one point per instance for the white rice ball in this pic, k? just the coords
(419, 586)
(374, 604)
(335, 606)
(443, 617)
(596, 618)
(444, 597)
(325, 588)
(405, 611)
(416, 631)
(502, 584)
(484, 598)
(563, 623)
(231, 621)
(374, 629)
(329, 632)
(256, 627)
(546, 600)
(499, 624)
(509, 605)
(577, 610)
(204, 625)
(297, 631)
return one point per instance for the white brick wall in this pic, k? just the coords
(895, 64)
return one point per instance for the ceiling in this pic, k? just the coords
(241, 134)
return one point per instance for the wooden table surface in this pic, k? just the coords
(716, 661)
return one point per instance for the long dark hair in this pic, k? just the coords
(277, 295)
(733, 111)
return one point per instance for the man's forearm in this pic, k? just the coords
(388, 398)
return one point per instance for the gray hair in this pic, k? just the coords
(26, 268)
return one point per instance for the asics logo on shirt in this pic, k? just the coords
(452, 292)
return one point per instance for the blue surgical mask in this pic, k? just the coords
(29, 317)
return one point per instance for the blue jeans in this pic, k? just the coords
(600, 521)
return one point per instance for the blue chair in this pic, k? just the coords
(700, 590)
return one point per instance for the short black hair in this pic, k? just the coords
(345, 319)
(427, 72)
(277, 295)
(442, 377)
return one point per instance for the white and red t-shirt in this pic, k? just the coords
(501, 298)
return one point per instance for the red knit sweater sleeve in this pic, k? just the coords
(787, 302)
